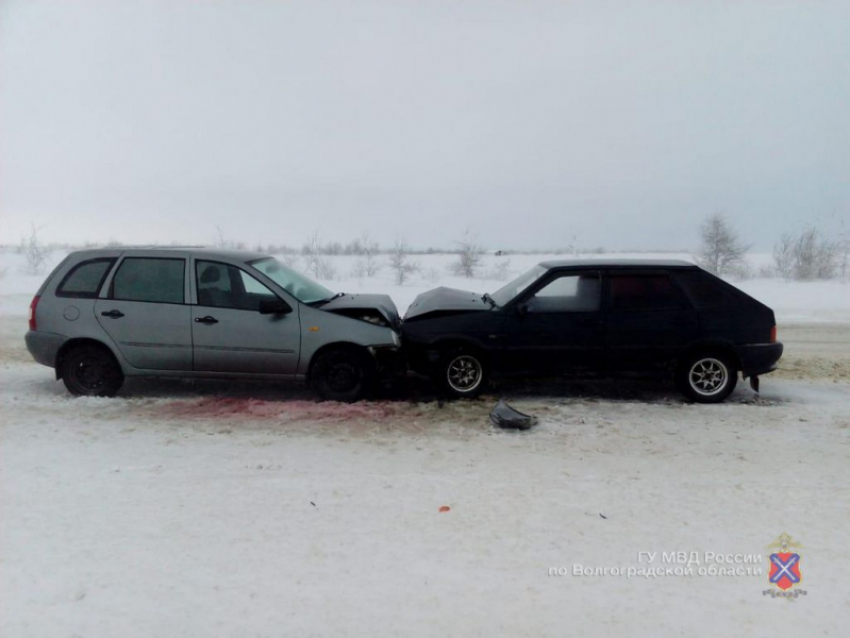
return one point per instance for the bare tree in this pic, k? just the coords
(721, 251)
(468, 257)
(783, 255)
(400, 264)
(367, 265)
(370, 251)
(843, 242)
(314, 261)
(35, 253)
(220, 241)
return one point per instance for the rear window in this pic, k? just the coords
(705, 291)
(644, 292)
(85, 279)
(149, 279)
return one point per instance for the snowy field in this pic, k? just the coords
(216, 509)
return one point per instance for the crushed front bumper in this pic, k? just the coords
(388, 360)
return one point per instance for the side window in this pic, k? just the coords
(85, 279)
(149, 279)
(644, 292)
(226, 286)
(570, 293)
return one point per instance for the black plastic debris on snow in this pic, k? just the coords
(505, 416)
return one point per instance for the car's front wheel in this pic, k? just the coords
(342, 375)
(707, 377)
(91, 371)
(462, 373)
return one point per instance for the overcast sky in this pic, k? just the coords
(535, 124)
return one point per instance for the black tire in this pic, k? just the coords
(91, 371)
(343, 374)
(462, 373)
(707, 377)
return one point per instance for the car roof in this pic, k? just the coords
(617, 263)
(198, 251)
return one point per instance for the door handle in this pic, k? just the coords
(113, 314)
(207, 320)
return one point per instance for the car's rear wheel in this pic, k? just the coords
(462, 373)
(342, 375)
(91, 371)
(707, 377)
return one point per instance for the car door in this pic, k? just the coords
(229, 332)
(648, 321)
(557, 326)
(143, 311)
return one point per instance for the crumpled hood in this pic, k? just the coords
(382, 303)
(446, 299)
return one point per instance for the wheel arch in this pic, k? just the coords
(460, 343)
(337, 345)
(718, 347)
(76, 342)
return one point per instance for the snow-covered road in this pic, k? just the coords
(188, 511)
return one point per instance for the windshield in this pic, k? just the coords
(507, 292)
(302, 288)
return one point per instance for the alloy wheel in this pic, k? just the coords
(464, 373)
(708, 376)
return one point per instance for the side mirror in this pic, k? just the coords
(522, 309)
(274, 307)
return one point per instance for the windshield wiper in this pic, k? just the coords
(486, 297)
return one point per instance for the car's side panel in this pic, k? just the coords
(241, 340)
(62, 318)
(245, 341)
(647, 339)
(425, 339)
(726, 313)
(155, 336)
(554, 341)
(149, 335)
(320, 329)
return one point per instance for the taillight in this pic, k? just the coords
(33, 306)
(773, 335)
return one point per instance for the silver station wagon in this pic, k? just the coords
(103, 315)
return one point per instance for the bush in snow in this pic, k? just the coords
(809, 255)
(468, 257)
(400, 264)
